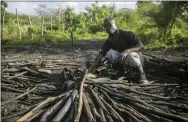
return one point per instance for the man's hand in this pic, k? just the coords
(89, 70)
(124, 53)
(122, 56)
(95, 63)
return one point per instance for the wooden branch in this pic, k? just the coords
(102, 115)
(128, 111)
(70, 117)
(173, 105)
(40, 106)
(160, 113)
(113, 112)
(108, 81)
(36, 73)
(12, 89)
(60, 115)
(47, 116)
(87, 108)
(36, 115)
(142, 93)
(11, 70)
(17, 75)
(80, 98)
(15, 114)
(128, 98)
(9, 101)
(98, 101)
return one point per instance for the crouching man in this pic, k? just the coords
(122, 48)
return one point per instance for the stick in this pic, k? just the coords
(142, 93)
(87, 108)
(80, 98)
(9, 101)
(36, 115)
(108, 81)
(17, 75)
(15, 114)
(160, 113)
(113, 112)
(12, 89)
(36, 73)
(64, 110)
(132, 114)
(40, 106)
(51, 111)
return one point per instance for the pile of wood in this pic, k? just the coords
(73, 96)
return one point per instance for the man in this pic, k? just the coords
(122, 47)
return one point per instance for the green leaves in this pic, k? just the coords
(156, 23)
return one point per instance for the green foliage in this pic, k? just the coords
(157, 24)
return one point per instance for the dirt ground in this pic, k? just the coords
(83, 51)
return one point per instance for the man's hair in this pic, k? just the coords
(109, 20)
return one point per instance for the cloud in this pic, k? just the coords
(29, 7)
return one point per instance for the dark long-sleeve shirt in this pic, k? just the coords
(125, 40)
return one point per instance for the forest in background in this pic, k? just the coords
(157, 24)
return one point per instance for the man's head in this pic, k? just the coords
(110, 25)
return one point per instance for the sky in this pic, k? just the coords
(28, 8)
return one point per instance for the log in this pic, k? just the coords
(15, 114)
(132, 114)
(142, 93)
(17, 75)
(36, 115)
(173, 105)
(108, 81)
(12, 100)
(129, 99)
(70, 117)
(11, 70)
(98, 101)
(102, 115)
(160, 113)
(12, 89)
(36, 73)
(112, 111)
(87, 108)
(60, 115)
(40, 106)
(47, 116)
(80, 98)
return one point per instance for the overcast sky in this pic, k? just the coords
(29, 7)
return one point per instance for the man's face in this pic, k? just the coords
(110, 28)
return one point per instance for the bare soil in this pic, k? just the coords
(83, 51)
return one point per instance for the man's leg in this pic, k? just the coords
(113, 56)
(135, 62)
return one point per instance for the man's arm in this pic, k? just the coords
(104, 49)
(135, 45)
(96, 62)
(138, 47)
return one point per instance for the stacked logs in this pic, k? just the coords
(76, 97)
